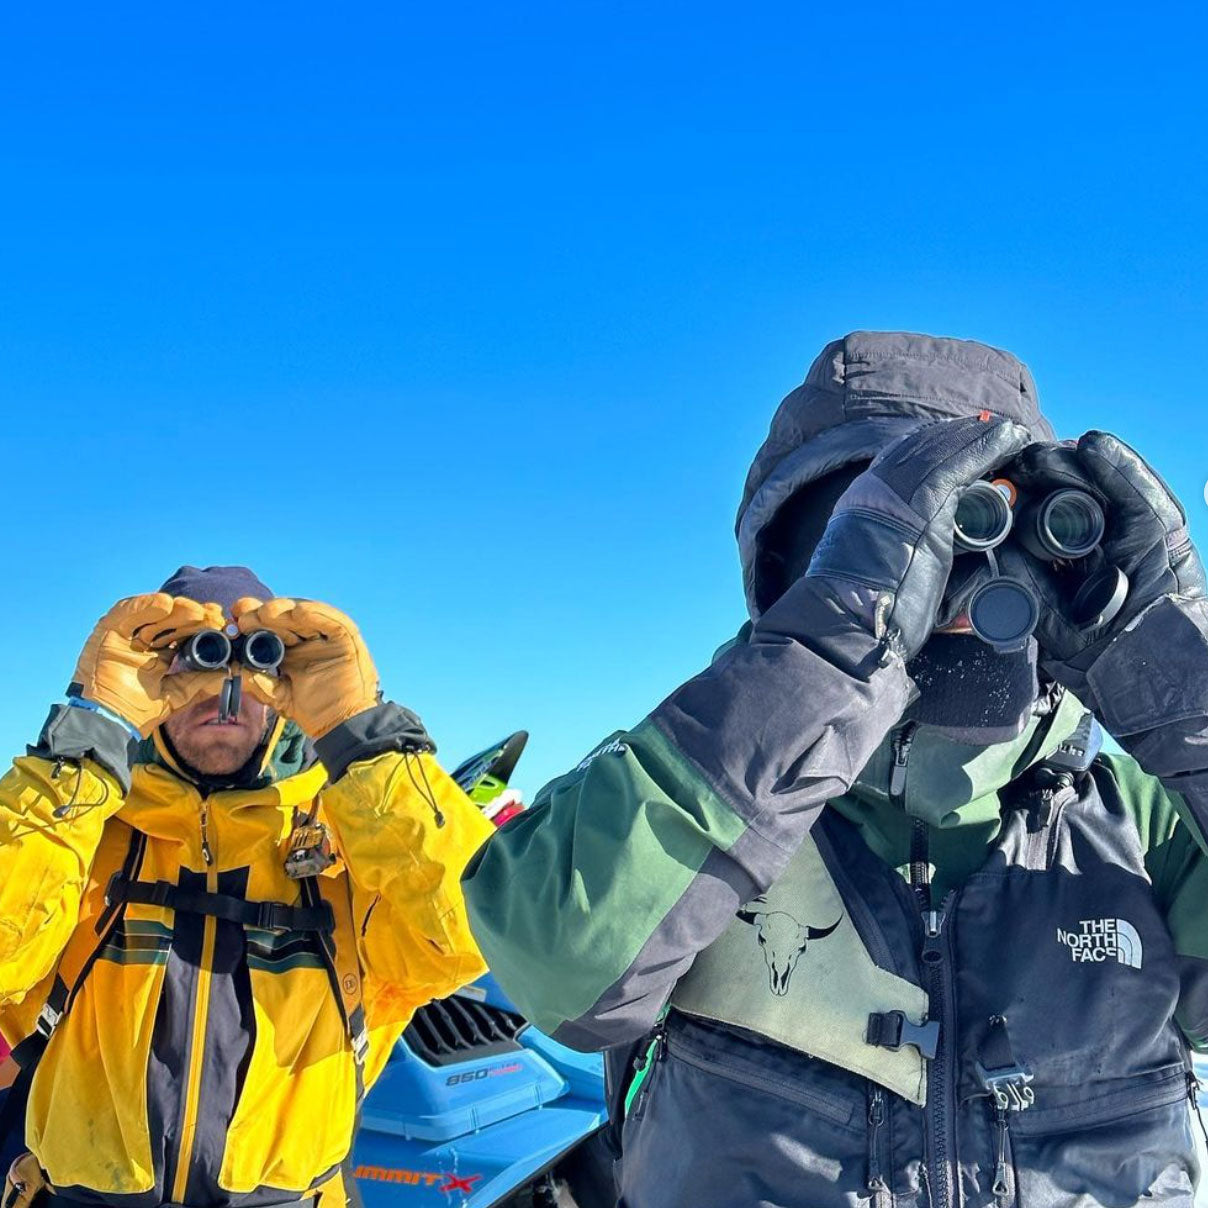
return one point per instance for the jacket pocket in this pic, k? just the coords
(728, 1120)
(1123, 1142)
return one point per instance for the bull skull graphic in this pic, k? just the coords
(783, 940)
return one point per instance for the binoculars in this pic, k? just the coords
(1061, 527)
(1064, 525)
(212, 650)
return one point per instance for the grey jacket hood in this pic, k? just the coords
(861, 393)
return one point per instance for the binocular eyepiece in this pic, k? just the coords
(1064, 525)
(212, 650)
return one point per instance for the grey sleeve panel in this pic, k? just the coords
(777, 730)
(385, 727)
(1151, 688)
(589, 907)
(76, 734)
(779, 727)
(629, 1007)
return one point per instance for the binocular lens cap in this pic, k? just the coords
(1004, 614)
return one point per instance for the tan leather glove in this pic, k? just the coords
(124, 666)
(327, 675)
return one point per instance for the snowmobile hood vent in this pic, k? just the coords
(862, 392)
(451, 1030)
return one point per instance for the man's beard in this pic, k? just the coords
(218, 758)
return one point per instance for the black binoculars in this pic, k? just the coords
(1061, 527)
(1064, 525)
(212, 650)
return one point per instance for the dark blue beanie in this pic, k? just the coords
(216, 585)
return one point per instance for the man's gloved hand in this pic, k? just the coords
(124, 666)
(327, 676)
(1146, 537)
(887, 552)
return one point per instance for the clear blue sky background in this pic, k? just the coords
(468, 318)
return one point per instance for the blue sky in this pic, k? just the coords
(468, 318)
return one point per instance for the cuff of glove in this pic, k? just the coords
(1156, 672)
(821, 615)
(76, 734)
(385, 727)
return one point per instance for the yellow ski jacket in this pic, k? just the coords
(219, 1018)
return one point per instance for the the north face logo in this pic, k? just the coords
(1103, 940)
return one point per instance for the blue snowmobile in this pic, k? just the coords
(476, 1107)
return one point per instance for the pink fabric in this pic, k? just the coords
(4, 1050)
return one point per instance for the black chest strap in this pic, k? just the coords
(268, 916)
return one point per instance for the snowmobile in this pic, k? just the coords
(476, 1107)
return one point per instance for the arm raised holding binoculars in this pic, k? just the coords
(1145, 672)
(402, 826)
(55, 801)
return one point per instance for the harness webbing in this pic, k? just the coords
(269, 916)
(343, 966)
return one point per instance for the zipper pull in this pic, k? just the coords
(903, 739)
(206, 854)
(1002, 1172)
(1194, 1086)
(876, 1118)
(643, 1070)
(933, 944)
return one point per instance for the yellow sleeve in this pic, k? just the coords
(406, 832)
(52, 815)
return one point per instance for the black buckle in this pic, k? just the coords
(891, 1030)
(269, 917)
(1008, 1085)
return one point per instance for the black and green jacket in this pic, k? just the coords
(1084, 926)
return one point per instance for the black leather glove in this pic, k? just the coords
(1146, 538)
(885, 557)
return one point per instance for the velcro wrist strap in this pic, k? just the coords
(77, 734)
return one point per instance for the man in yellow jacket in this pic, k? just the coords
(202, 1020)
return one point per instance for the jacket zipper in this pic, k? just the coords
(933, 954)
(941, 1089)
(877, 1183)
(190, 1102)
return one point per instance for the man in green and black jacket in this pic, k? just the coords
(876, 917)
